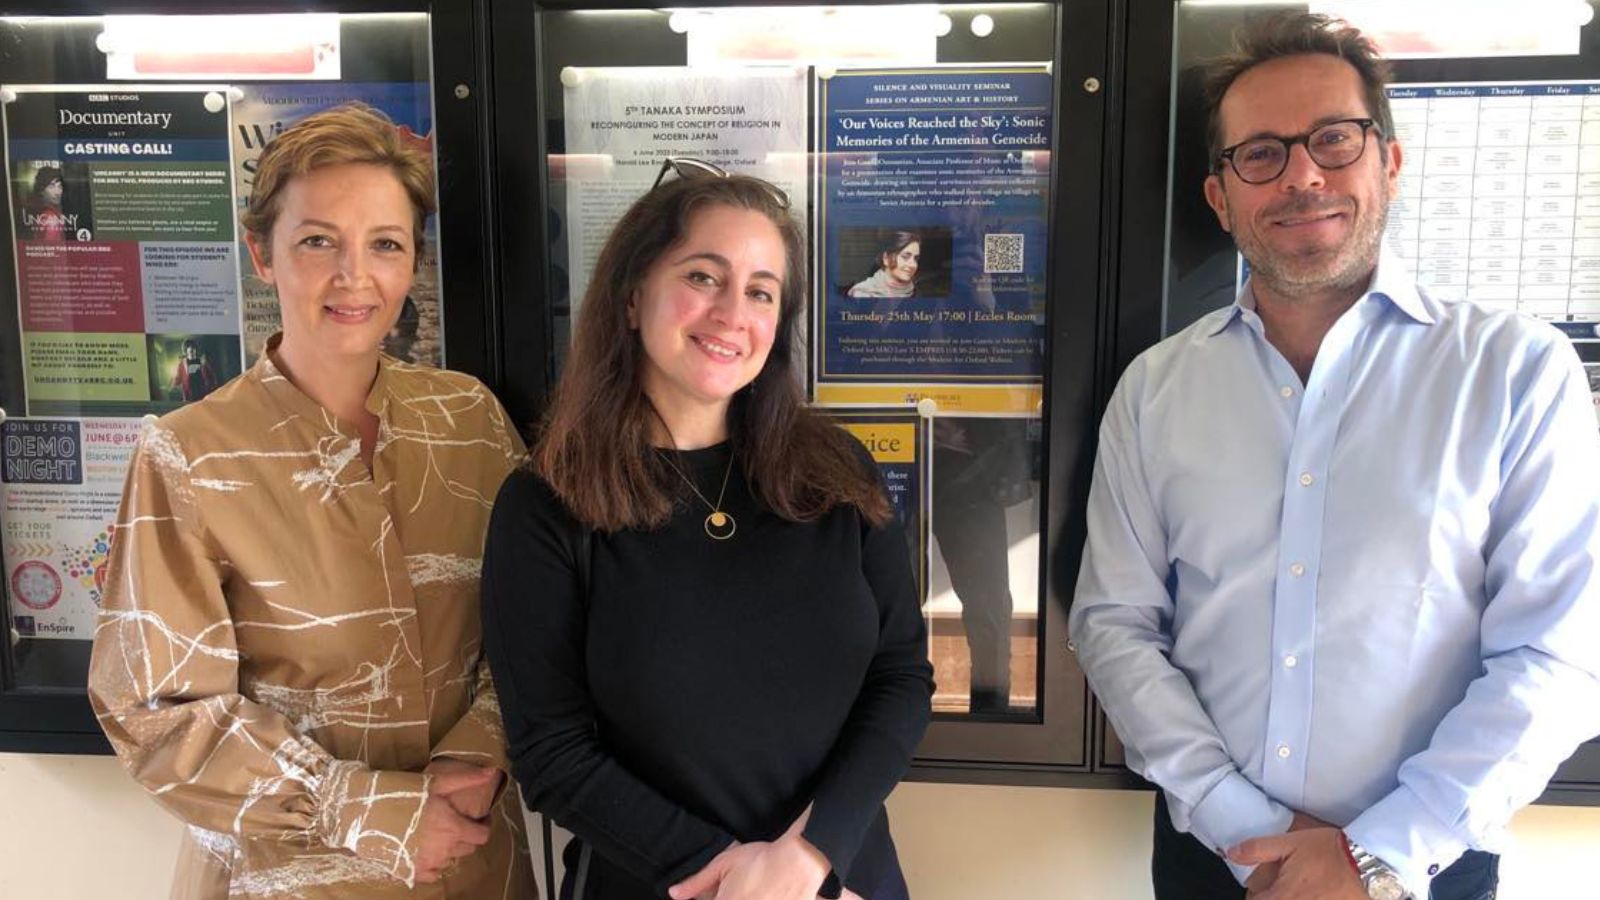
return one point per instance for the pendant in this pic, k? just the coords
(719, 526)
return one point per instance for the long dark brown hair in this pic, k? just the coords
(594, 447)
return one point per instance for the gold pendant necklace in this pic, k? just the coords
(719, 525)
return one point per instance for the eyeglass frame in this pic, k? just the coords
(686, 167)
(1289, 143)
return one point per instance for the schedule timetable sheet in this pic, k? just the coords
(1499, 198)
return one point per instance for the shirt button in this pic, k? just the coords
(1297, 570)
(1072, 647)
(1433, 869)
(1306, 479)
(1286, 392)
(1283, 751)
(1291, 661)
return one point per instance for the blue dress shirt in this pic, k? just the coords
(1372, 598)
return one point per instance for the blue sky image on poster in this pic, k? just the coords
(933, 224)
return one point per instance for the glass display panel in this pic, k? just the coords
(129, 293)
(920, 168)
(1499, 198)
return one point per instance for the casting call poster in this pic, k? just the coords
(261, 113)
(932, 221)
(127, 267)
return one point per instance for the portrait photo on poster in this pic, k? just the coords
(52, 201)
(903, 260)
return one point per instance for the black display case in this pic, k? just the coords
(1124, 234)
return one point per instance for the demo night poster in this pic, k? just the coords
(127, 267)
(933, 217)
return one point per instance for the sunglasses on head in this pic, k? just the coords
(687, 168)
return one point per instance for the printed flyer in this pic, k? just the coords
(897, 441)
(933, 235)
(60, 483)
(1499, 198)
(262, 113)
(622, 123)
(127, 267)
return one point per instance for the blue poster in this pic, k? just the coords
(933, 220)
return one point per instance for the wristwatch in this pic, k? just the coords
(1377, 876)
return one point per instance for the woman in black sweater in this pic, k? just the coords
(698, 609)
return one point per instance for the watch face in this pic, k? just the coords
(1385, 886)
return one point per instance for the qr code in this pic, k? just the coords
(1002, 253)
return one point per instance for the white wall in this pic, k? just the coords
(75, 827)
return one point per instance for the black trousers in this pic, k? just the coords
(971, 527)
(1182, 868)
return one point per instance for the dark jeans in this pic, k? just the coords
(1182, 868)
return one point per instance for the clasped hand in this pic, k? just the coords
(1308, 862)
(789, 868)
(454, 816)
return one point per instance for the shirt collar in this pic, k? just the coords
(1391, 280)
(271, 378)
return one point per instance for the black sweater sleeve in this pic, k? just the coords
(891, 712)
(534, 624)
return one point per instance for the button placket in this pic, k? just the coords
(1300, 541)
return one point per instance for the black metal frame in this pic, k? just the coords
(1107, 286)
(957, 748)
(1149, 135)
(60, 721)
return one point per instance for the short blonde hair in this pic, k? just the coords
(347, 133)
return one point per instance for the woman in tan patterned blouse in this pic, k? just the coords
(289, 657)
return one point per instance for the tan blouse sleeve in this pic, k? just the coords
(480, 736)
(164, 684)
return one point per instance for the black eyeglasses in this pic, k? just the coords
(684, 167)
(1332, 146)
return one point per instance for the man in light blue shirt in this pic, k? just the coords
(1339, 597)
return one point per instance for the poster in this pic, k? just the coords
(897, 441)
(622, 123)
(932, 235)
(126, 258)
(60, 483)
(261, 113)
(1499, 199)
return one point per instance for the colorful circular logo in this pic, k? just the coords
(36, 584)
(86, 564)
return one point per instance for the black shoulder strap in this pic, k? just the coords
(583, 550)
(582, 558)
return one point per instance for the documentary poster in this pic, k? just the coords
(896, 440)
(263, 111)
(60, 482)
(932, 231)
(127, 263)
(621, 123)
